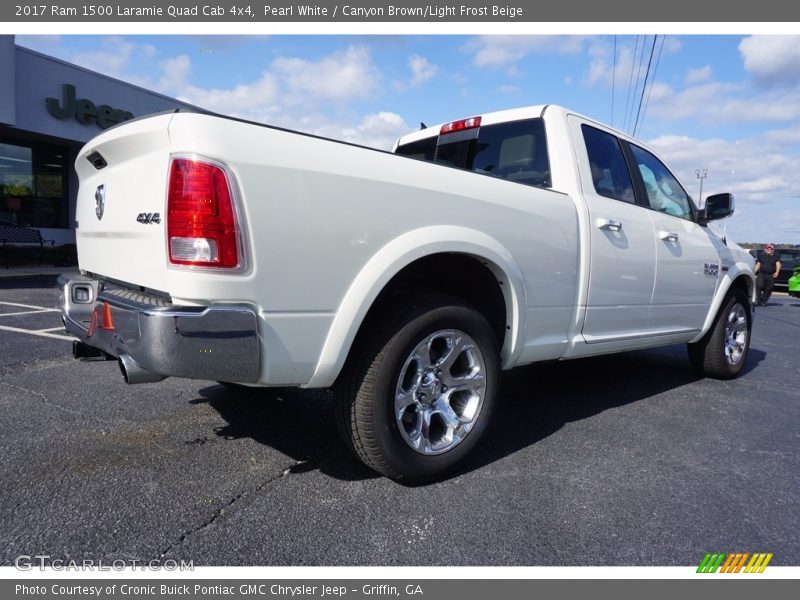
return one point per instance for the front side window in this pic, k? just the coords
(610, 174)
(664, 193)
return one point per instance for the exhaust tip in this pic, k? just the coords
(132, 373)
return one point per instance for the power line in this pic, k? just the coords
(613, 79)
(630, 82)
(644, 85)
(653, 80)
(636, 86)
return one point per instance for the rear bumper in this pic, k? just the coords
(218, 342)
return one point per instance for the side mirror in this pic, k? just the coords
(718, 206)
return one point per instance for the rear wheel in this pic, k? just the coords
(419, 395)
(722, 352)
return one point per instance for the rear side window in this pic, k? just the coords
(421, 150)
(516, 151)
(610, 173)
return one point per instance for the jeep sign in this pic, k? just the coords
(85, 111)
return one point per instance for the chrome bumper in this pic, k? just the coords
(217, 342)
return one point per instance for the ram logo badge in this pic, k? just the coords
(148, 218)
(100, 201)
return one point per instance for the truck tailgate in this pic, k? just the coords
(121, 203)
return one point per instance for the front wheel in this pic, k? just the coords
(419, 395)
(722, 352)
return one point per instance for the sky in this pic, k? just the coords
(727, 104)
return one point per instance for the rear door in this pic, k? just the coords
(623, 255)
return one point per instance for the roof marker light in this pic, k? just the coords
(471, 123)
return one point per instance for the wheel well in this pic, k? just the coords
(461, 275)
(744, 284)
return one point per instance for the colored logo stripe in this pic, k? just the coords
(758, 563)
(733, 562)
(711, 563)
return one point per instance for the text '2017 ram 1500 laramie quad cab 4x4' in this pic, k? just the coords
(212, 248)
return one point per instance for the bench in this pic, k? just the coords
(11, 235)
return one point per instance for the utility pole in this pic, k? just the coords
(701, 175)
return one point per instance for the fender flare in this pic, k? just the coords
(398, 254)
(736, 271)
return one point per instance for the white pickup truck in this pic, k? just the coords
(213, 248)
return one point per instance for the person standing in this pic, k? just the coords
(767, 268)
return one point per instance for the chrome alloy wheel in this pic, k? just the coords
(735, 334)
(440, 391)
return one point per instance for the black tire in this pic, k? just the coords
(367, 389)
(708, 356)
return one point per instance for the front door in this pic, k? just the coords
(688, 264)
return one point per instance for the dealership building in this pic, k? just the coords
(48, 110)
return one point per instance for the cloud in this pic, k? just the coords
(113, 58)
(339, 76)
(421, 70)
(46, 44)
(287, 91)
(257, 100)
(790, 135)
(772, 59)
(630, 64)
(701, 75)
(505, 50)
(731, 165)
(176, 72)
(602, 69)
(759, 170)
(377, 130)
(715, 103)
(312, 96)
(672, 44)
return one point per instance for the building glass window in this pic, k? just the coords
(33, 185)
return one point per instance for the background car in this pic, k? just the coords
(790, 258)
(794, 283)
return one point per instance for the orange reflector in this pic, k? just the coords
(107, 322)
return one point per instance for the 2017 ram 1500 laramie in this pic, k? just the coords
(212, 248)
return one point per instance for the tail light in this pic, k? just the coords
(201, 220)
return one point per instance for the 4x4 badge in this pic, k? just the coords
(100, 201)
(147, 218)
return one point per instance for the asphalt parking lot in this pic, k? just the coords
(620, 460)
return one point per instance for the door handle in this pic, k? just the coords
(609, 224)
(668, 236)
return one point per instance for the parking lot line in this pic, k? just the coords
(36, 308)
(38, 333)
(23, 312)
(49, 329)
